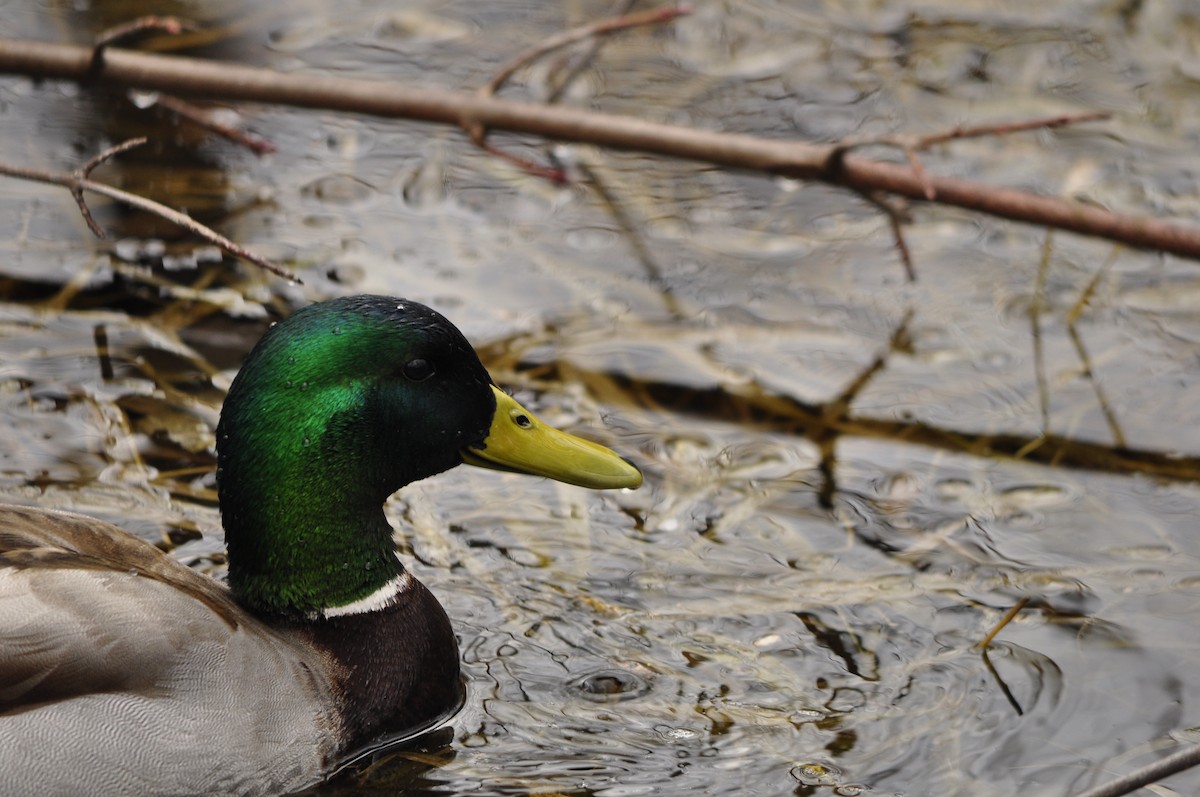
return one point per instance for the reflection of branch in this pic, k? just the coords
(1035, 326)
(230, 82)
(762, 409)
(1004, 690)
(912, 144)
(837, 410)
(632, 230)
(78, 182)
(1037, 306)
(1085, 360)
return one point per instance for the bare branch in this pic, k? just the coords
(896, 217)
(796, 159)
(1186, 758)
(478, 131)
(1005, 620)
(136, 27)
(77, 185)
(1048, 123)
(912, 144)
(85, 170)
(206, 119)
(130, 29)
(576, 69)
(551, 173)
(600, 28)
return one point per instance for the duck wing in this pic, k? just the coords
(123, 671)
(74, 610)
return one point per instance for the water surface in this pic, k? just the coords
(792, 603)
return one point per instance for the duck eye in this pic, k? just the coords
(418, 370)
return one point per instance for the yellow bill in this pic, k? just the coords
(520, 443)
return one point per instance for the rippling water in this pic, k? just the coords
(792, 604)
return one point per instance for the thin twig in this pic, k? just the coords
(912, 144)
(1045, 123)
(478, 131)
(561, 83)
(600, 28)
(552, 173)
(206, 119)
(135, 27)
(77, 185)
(84, 171)
(896, 217)
(1005, 620)
(1143, 776)
(919, 170)
(576, 69)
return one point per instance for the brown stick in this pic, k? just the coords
(604, 27)
(1013, 611)
(77, 183)
(229, 82)
(130, 29)
(912, 144)
(207, 119)
(85, 171)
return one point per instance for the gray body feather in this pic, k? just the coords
(124, 672)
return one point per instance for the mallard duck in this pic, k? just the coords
(125, 672)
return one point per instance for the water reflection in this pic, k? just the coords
(794, 602)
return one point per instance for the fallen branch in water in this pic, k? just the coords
(208, 119)
(230, 82)
(184, 110)
(126, 31)
(912, 144)
(78, 181)
(1144, 776)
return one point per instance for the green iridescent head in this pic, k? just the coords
(338, 407)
